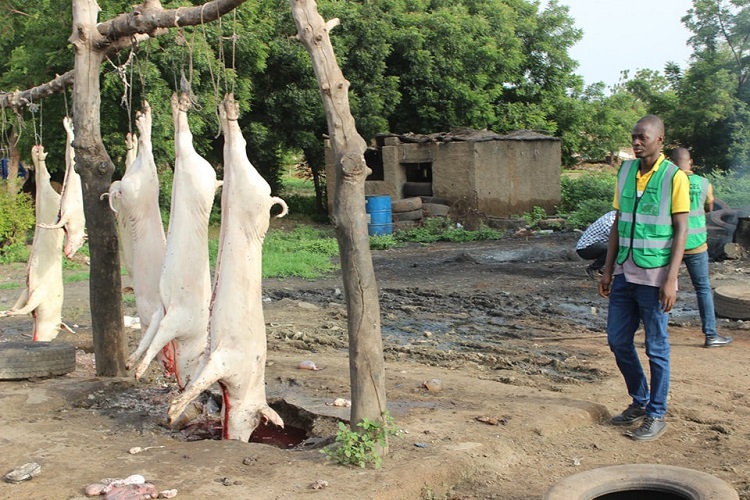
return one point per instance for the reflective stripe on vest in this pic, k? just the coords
(697, 232)
(645, 223)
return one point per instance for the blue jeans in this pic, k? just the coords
(697, 266)
(629, 304)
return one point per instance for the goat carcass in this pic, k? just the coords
(236, 357)
(124, 235)
(70, 216)
(185, 284)
(135, 198)
(43, 296)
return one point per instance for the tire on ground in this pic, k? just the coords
(717, 238)
(435, 210)
(732, 301)
(406, 204)
(722, 218)
(639, 478)
(402, 216)
(436, 199)
(417, 189)
(21, 360)
(720, 205)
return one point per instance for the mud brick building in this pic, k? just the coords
(496, 175)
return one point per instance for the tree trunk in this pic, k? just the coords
(366, 365)
(95, 167)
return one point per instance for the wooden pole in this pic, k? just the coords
(95, 167)
(366, 365)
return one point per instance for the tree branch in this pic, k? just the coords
(145, 21)
(151, 16)
(20, 99)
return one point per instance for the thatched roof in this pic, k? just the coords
(470, 135)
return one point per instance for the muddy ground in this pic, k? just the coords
(513, 329)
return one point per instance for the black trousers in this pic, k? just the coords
(596, 252)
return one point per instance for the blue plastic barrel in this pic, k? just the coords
(379, 220)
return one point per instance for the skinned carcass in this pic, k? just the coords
(236, 357)
(70, 217)
(124, 236)
(43, 295)
(185, 283)
(135, 199)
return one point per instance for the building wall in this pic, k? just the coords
(453, 175)
(514, 176)
(501, 177)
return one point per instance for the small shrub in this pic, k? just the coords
(437, 229)
(360, 448)
(588, 212)
(532, 218)
(16, 252)
(383, 242)
(17, 219)
(576, 191)
(731, 188)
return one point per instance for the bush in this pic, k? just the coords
(17, 218)
(17, 252)
(731, 188)
(437, 229)
(587, 188)
(588, 212)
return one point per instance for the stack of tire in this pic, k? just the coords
(731, 301)
(721, 224)
(409, 212)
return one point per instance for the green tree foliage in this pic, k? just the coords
(414, 66)
(711, 113)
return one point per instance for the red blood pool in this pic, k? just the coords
(285, 438)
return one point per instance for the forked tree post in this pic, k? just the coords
(366, 364)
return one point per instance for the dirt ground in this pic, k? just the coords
(513, 329)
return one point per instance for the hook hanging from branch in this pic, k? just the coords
(127, 85)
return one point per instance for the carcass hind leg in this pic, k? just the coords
(147, 338)
(202, 380)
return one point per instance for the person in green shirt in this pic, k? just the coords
(696, 249)
(645, 251)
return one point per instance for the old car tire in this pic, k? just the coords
(596, 483)
(406, 204)
(402, 216)
(722, 218)
(717, 238)
(417, 189)
(720, 205)
(20, 360)
(435, 210)
(436, 199)
(732, 301)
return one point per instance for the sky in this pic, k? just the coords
(627, 34)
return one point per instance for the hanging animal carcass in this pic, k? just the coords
(135, 199)
(43, 295)
(70, 218)
(185, 283)
(237, 335)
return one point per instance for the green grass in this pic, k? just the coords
(9, 286)
(305, 252)
(437, 229)
(72, 278)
